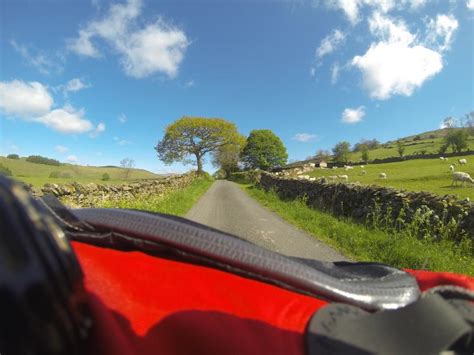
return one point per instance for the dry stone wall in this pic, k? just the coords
(358, 201)
(91, 194)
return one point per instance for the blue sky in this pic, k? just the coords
(95, 81)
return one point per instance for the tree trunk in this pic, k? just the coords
(199, 164)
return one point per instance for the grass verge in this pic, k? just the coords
(177, 203)
(369, 244)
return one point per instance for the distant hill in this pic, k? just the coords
(39, 174)
(427, 142)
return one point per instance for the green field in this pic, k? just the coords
(38, 174)
(414, 175)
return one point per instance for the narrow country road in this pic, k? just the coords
(226, 207)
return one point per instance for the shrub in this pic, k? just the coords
(13, 156)
(5, 171)
(417, 138)
(54, 175)
(66, 175)
(105, 177)
(432, 136)
(38, 159)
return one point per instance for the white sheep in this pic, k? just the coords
(461, 177)
(343, 178)
(334, 167)
(312, 179)
(363, 172)
(462, 161)
(362, 166)
(382, 175)
(451, 168)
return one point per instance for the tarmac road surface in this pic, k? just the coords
(226, 207)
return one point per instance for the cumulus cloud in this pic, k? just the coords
(61, 149)
(441, 31)
(330, 43)
(72, 159)
(470, 4)
(399, 63)
(353, 115)
(66, 120)
(33, 102)
(157, 47)
(304, 137)
(24, 100)
(76, 84)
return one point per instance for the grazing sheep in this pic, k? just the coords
(451, 168)
(344, 178)
(362, 166)
(442, 158)
(459, 176)
(334, 167)
(462, 161)
(382, 175)
(347, 167)
(363, 172)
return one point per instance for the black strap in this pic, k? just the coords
(429, 326)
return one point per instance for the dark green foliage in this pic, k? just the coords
(38, 159)
(5, 171)
(341, 152)
(457, 139)
(364, 152)
(400, 148)
(13, 156)
(264, 150)
(55, 175)
(105, 177)
(417, 138)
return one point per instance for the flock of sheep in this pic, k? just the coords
(457, 176)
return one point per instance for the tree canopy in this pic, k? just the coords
(457, 139)
(264, 150)
(194, 137)
(341, 152)
(227, 157)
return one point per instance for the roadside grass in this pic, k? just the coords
(177, 203)
(364, 243)
(38, 174)
(431, 175)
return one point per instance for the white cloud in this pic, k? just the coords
(470, 4)
(330, 43)
(76, 84)
(312, 71)
(304, 137)
(155, 48)
(66, 120)
(190, 84)
(98, 130)
(350, 8)
(335, 69)
(121, 142)
(398, 63)
(42, 62)
(353, 115)
(24, 100)
(72, 159)
(122, 118)
(61, 149)
(441, 31)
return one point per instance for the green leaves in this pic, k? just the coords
(264, 150)
(195, 136)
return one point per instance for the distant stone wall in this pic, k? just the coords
(91, 194)
(357, 201)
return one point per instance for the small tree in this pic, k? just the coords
(400, 148)
(341, 152)
(128, 165)
(264, 150)
(364, 152)
(443, 149)
(227, 157)
(322, 155)
(468, 122)
(195, 137)
(13, 156)
(457, 139)
(105, 177)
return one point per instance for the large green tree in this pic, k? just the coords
(227, 157)
(457, 139)
(264, 150)
(341, 152)
(189, 139)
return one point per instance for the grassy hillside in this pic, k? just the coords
(415, 175)
(38, 174)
